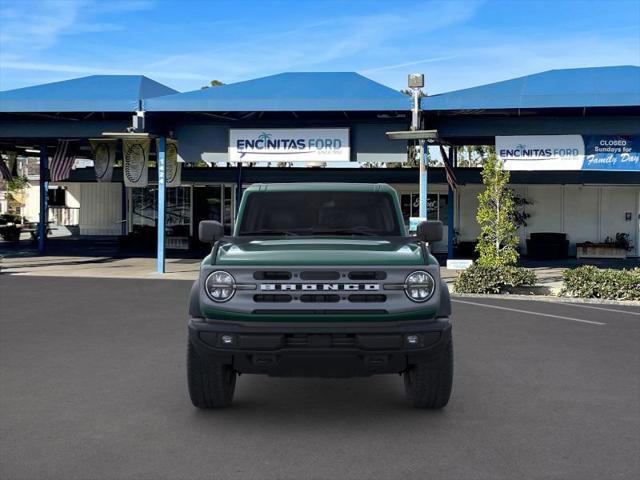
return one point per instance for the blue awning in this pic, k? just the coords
(288, 92)
(570, 88)
(96, 93)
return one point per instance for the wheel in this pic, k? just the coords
(428, 384)
(211, 384)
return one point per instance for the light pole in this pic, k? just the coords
(416, 83)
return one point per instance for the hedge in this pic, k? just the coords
(592, 282)
(494, 279)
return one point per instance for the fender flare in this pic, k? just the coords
(444, 309)
(194, 300)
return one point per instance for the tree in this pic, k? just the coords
(474, 155)
(213, 83)
(496, 210)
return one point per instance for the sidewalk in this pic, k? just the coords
(549, 278)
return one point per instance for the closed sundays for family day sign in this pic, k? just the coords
(569, 152)
(289, 145)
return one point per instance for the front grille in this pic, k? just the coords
(367, 275)
(319, 298)
(364, 298)
(276, 275)
(275, 297)
(320, 341)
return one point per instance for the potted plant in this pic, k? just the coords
(617, 247)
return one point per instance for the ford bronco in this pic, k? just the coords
(319, 280)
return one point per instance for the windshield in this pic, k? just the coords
(319, 213)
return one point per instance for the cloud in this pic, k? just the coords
(409, 64)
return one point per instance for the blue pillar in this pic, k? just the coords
(238, 185)
(123, 210)
(423, 178)
(44, 199)
(162, 190)
(453, 154)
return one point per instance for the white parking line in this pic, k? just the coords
(596, 308)
(529, 312)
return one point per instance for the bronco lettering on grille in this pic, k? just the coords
(323, 287)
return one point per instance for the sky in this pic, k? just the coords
(185, 44)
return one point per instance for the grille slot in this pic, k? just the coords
(365, 298)
(319, 275)
(267, 275)
(273, 297)
(367, 275)
(320, 341)
(319, 298)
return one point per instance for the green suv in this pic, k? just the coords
(320, 280)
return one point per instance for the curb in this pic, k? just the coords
(548, 298)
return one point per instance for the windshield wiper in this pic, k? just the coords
(266, 231)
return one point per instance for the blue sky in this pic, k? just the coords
(184, 44)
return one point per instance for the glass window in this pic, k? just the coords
(444, 209)
(320, 213)
(432, 206)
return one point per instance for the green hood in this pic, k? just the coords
(320, 251)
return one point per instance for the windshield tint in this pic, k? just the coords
(319, 213)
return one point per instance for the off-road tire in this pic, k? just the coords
(211, 384)
(428, 384)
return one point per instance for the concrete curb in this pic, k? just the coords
(548, 298)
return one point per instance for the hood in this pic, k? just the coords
(320, 251)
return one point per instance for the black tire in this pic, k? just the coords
(428, 384)
(211, 384)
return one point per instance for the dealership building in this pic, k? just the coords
(571, 139)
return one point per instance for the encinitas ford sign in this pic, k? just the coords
(569, 152)
(289, 145)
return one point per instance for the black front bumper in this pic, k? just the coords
(319, 349)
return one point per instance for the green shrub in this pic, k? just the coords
(493, 279)
(592, 282)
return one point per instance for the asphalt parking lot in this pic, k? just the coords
(92, 386)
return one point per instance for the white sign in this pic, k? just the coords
(136, 162)
(289, 145)
(459, 264)
(541, 152)
(104, 157)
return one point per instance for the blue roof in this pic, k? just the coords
(298, 92)
(577, 87)
(96, 93)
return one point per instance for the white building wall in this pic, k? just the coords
(584, 212)
(100, 208)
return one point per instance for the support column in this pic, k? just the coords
(453, 154)
(423, 155)
(44, 199)
(162, 190)
(238, 186)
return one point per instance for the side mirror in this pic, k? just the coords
(209, 231)
(430, 231)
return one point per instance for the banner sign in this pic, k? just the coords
(104, 157)
(569, 152)
(173, 167)
(136, 162)
(289, 145)
(541, 152)
(610, 152)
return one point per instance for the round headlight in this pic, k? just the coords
(419, 286)
(220, 286)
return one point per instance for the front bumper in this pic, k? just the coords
(319, 349)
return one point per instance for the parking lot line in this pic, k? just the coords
(529, 312)
(597, 308)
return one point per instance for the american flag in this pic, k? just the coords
(62, 161)
(4, 170)
(451, 175)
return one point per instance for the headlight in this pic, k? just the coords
(419, 286)
(220, 286)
